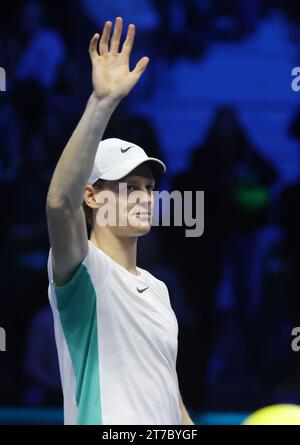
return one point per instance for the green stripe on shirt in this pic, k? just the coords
(76, 303)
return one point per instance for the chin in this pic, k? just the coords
(139, 226)
(140, 230)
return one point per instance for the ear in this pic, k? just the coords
(90, 196)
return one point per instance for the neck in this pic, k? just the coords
(121, 250)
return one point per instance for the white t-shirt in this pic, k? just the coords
(116, 336)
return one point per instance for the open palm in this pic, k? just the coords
(111, 75)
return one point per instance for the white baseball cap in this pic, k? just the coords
(116, 158)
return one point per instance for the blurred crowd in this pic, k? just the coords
(235, 289)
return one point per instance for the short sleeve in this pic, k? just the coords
(89, 275)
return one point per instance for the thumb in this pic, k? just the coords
(141, 66)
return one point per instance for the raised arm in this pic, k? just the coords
(112, 80)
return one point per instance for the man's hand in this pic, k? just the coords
(111, 76)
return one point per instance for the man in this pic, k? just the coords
(115, 330)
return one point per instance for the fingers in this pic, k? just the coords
(93, 46)
(115, 40)
(128, 43)
(141, 66)
(112, 45)
(103, 45)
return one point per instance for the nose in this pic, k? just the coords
(145, 201)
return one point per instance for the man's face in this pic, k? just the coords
(132, 204)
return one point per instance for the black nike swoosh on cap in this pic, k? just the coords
(123, 150)
(142, 290)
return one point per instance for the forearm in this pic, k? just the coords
(185, 418)
(76, 161)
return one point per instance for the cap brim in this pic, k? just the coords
(158, 168)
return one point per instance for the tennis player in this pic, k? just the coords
(115, 330)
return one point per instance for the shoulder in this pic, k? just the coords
(95, 264)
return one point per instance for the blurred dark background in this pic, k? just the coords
(216, 105)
